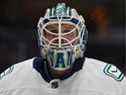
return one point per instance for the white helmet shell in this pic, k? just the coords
(62, 36)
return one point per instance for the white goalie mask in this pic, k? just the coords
(62, 36)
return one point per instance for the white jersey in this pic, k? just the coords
(96, 78)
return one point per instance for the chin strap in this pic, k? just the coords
(41, 66)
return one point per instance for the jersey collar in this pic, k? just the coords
(40, 65)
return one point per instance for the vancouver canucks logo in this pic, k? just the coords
(113, 72)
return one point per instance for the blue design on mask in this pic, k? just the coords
(60, 60)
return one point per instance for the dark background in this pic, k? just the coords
(104, 21)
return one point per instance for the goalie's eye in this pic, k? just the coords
(54, 28)
(72, 35)
(48, 35)
(65, 28)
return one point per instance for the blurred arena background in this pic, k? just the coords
(104, 20)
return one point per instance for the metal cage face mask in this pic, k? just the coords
(62, 37)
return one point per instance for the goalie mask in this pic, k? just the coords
(62, 36)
